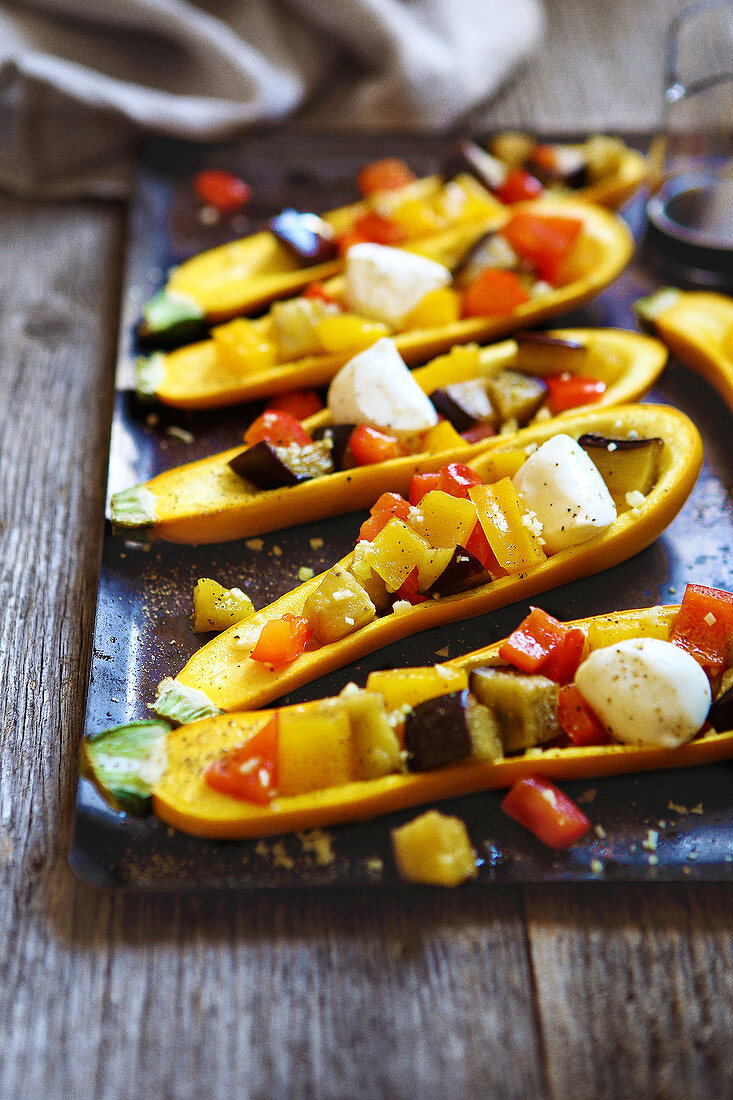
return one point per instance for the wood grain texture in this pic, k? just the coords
(543, 992)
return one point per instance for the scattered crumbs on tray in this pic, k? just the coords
(209, 215)
(277, 551)
(374, 865)
(316, 543)
(651, 841)
(180, 433)
(305, 573)
(319, 843)
(444, 652)
(254, 544)
(597, 866)
(653, 860)
(677, 808)
(600, 832)
(152, 420)
(588, 796)
(697, 809)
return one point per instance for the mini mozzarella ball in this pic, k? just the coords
(385, 284)
(376, 388)
(560, 484)
(646, 691)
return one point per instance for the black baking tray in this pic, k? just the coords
(143, 628)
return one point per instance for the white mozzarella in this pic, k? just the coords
(560, 484)
(646, 691)
(376, 388)
(384, 283)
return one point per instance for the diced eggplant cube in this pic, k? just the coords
(516, 396)
(309, 238)
(437, 732)
(338, 435)
(466, 156)
(462, 571)
(464, 404)
(541, 354)
(490, 250)
(720, 715)
(569, 167)
(626, 465)
(270, 467)
(525, 706)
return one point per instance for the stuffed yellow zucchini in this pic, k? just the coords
(697, 327)
(537, 260)
(501, 386)
(628, 691)
(540, 510)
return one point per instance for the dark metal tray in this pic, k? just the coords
(143, 629)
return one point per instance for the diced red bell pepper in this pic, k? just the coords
(546, 159)
(568, 391)
(387, 506)
(493, 293)
(541, 643)
(421, 484)
(478, 545)
(456, 479)
(704, 626)
(383, 175)
(282, 640)
(541, 807)
(369, 445)
(222, 190)
(279, 429)
(299, 404)
(379, 229)
(318, 290)
(518, 186)
(408, 589)
(546, 241)
(249, 772)
(577, 719)
(347, 240)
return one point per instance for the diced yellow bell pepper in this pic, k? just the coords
(434, 849)
(397, 550)
(464, 200)
(242, 346)
(417, 218)
(441, 306)
(347, 332)
(315, 751)
(445, 520)
(500, 512)
(443, 437)
(409, 686)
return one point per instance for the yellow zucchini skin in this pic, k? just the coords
(193, 377)
(697, 327)
(232, 681)
(614, 190)
(183, 799)
(205, 501)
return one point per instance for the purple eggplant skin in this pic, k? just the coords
(339, 435)
(720, 715)
(592, 439)
(437, 732)
(452, 410)
(463, 571)
(543, 339)
(262, 466)
(465, 155)
(309, 238)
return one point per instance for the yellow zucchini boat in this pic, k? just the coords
(183, 799)
(205, 501)
(246, 274)
(697, 327)
(223, 675)
(197, 376)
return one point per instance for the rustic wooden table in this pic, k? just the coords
(592, 991)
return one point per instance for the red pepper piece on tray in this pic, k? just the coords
(222, 190)
(541, 807)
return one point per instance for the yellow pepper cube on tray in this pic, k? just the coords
(501, 514)
(445, 520)
(434, 849)
(216, 607)
(409, 686)
(243, 347)
(315, 751)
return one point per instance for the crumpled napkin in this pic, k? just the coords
(82, 80)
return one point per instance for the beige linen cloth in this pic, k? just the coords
(82, 80)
